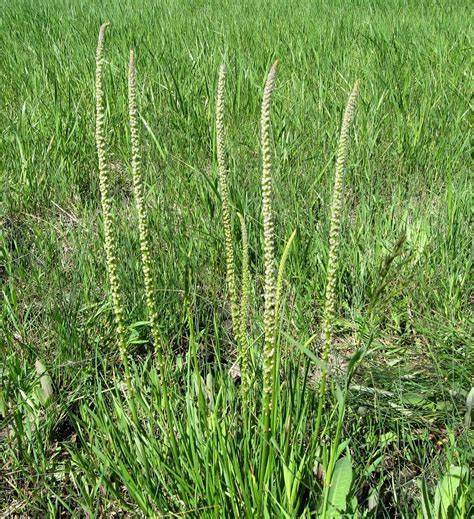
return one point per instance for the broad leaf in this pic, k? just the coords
(446, 491)
(340, 484)
(46, 391)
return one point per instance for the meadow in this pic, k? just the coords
(184, 413)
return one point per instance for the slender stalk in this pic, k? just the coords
(335, 225)
(223, 172)
(144, 236)
(106, 201)
(269, 260)
(244, 306)
(281, 272)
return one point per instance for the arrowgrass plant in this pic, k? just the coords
(107, 214)
(224, 192)
(387, 434)
(144, 236)
(335, 225)
(269, 346)
(239, 312)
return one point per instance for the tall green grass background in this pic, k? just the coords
(408, 175)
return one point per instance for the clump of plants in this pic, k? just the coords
(184, 438)
(266, 448)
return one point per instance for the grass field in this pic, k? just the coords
(395, 437)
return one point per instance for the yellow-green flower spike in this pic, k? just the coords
(269, 347)
(143, 230)
(104, 172)
(269, 239)
(144, 237)
(222, 167)
(335, 225)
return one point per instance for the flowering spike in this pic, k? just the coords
(222, 167)
(106, 201)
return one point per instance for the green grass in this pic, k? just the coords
(407, 174)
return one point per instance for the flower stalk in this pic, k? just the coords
(108, 219)
(269, 347)
(144, 237)
(335, 226)
(224, 191)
